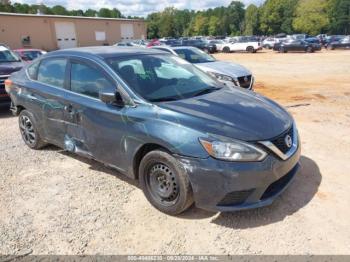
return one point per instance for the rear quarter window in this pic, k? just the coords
(33, 70)
(52, 72)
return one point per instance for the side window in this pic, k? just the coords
(33, 70)
(88, 80)
(52, 72)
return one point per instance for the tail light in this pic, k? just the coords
(8, 84)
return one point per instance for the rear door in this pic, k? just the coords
(50, 97)
(95, 128)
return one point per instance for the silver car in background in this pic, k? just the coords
(231, 74)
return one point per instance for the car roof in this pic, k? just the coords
(27, 49)
(183, 47)
(105, 51)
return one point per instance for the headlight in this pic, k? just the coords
(223, 78)
(233, 151)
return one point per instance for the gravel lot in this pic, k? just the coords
(52, 202)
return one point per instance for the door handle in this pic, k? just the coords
(73, 114)
(68, 108)
(32, 97)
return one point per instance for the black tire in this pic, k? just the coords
(165, 183)
(250, 49)
(332, 47)
(29, 130)
(309, 49)
(283, 50)
(226, 49)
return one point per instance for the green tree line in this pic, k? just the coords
(273, 17)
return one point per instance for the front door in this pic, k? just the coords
(96, 129)
(65, 35)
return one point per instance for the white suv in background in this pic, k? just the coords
(242, 45)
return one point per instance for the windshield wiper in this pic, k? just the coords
(206, 91)
(163, 99)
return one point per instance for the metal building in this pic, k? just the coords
(51, 32)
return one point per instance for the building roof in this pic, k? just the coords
(71, 17)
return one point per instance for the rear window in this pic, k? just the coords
(33, 70)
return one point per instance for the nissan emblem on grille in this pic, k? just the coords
(246, 79)
(288, 141)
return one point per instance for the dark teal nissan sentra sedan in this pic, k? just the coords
(156, 118)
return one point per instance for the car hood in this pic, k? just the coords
(236, 114)
(226, 68)
(9, 68)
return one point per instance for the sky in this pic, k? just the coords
(137, 7)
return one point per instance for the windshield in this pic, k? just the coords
(8, 56)
(194, 56)
(162, 77)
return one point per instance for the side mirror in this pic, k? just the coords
(109, 97)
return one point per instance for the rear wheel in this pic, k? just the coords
(283, 50)
(250, 49)
(165, 183)
(226, 49)
(29, 130)
(309, 49)
(332, 47)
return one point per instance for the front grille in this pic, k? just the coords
(280, 142)
(244, 81)
(278, 185)
(235, 198)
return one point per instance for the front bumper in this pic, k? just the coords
(232, 186)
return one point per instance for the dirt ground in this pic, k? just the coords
(55, 203)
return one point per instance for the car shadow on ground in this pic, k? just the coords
(97, 166)
(5, 112)
(298, 195)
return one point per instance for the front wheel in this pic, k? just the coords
(309, 49)
(165, 183)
